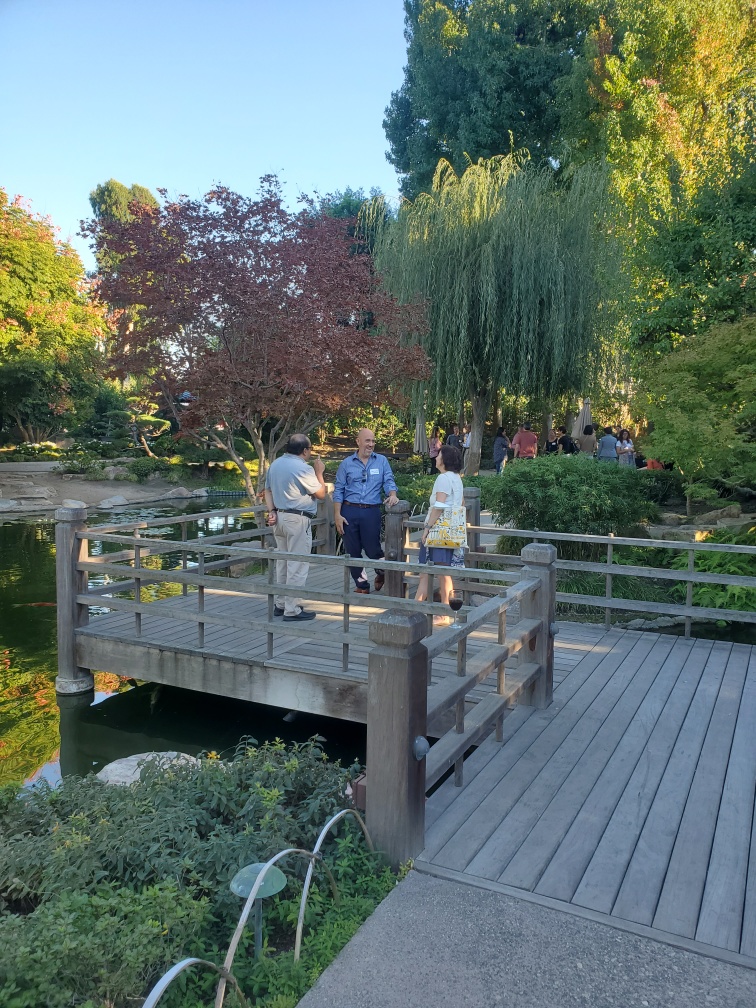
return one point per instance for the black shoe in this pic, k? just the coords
(277, 611)
(300, 617)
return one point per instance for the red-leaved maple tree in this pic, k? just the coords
(270, 319)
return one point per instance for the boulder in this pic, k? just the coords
(127, 771)
(112, 471)
(110, 502)
(201, 492)
(6, 504)
(68, 502)
(29, 491)
(672, 519)
(175, 493)
(710, 519)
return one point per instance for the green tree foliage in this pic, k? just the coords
(345, 204)
(50, 326)
(700, 266)
(112, 200)
(481, 76)
(663, 89)
(701, 399)
(511, 265)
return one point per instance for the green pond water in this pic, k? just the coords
(40, 740)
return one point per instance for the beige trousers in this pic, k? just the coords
(293, 534)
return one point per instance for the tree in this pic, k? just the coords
(699, 268)
(701, 399)
(51, 326)
(112, 200)
(511, 265)
(346, 204)
(268, 318)
(482, 77)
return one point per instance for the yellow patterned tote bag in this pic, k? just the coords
(450, 531)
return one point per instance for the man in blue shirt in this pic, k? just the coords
(361, 481)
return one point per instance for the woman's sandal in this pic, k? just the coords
(442, 621)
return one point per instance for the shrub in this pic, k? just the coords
(568, 494)
(144, 467)
(722, 596)
(102, 887)
(659, 485)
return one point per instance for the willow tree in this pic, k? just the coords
(512, 265)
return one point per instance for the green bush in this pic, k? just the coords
(722, 596)
(102, 887)
(144, 467)
(659, 485)
(568, 494)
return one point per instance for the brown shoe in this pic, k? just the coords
(379, 581)
(362, 588)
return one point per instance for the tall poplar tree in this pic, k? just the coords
(513, 267)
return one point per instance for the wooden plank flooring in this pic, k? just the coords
(631, 798)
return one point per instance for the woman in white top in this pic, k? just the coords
(625, 449)
(447, 492)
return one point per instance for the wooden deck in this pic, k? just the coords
(629, 800)
(306, 671)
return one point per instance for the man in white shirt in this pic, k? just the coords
(292, 488)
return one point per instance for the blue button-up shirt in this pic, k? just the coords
(362, 483)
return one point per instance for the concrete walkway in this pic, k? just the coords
(447, 945)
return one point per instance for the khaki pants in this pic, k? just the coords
(293, 534)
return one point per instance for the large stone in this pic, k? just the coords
(6, 504)
(112, 471)
(175, 493)
(110, 502)
(68, 502)
(672, 519)
(127, 771)
(32, 492)
(201, 492)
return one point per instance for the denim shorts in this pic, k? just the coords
(438, 555)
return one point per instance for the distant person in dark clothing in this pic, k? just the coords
(434, 447)
(566, 446)
(500, 446)
(454, 439)
(552, 443)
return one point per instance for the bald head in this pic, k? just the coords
(365, 443)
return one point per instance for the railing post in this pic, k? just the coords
(394, 546)
(70, 582)
(396, 716)
(328, 530)
(540, 563)
(472, 504)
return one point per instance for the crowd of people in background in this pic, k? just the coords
(614, 445)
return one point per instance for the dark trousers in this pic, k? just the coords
(362, 533)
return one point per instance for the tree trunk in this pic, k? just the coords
(481, 403)
(143, 443)
(228, 448)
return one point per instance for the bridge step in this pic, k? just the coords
(454, 744)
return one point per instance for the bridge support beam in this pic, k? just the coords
(396, 717)
(540, 563)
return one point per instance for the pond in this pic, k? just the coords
(40, 741)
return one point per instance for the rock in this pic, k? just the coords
(710, 519)
(111, 502)
(673, 519)
(154, 477)
(681, 533)
(6, 504)
(112, 471)
(128, 770)
(68, 502)
(31, 492)
(202, 492)
(176, 492)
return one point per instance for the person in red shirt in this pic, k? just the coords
(525, 443)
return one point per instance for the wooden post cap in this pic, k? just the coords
(539, 553)
(400, 507)
(70, 514)
(398, 629)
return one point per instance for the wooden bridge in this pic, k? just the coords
(629, 798)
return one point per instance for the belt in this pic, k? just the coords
(354, 504)
(305, 514)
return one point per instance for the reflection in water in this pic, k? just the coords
(120, 718)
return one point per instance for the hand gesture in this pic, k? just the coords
(318, 465)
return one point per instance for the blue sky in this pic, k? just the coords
(183, 94)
